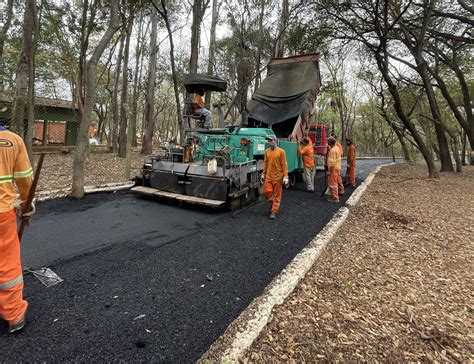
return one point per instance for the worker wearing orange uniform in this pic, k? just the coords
(15, 168)
(307, 153)
(351, 164)
(275, 173)
(340, 185)
(199, 108)
(334, 165)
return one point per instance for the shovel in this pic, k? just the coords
(44, 275)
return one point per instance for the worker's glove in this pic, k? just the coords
(286, 181)
(27, 215)
(262, 178)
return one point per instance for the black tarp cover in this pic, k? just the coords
(195, 82)
(288, 91)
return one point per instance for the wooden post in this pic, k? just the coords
(45, 132)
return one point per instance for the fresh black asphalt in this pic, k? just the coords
(149, 281)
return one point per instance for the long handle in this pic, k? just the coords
(31, 194)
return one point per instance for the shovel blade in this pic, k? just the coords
(46, 276)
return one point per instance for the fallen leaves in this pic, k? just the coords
(407, 247)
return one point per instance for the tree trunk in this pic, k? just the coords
(147, 146)
(383, 68)
(23, 70)
(124, 111)
(91, 83)
(199, 8)
(445, 158)
(280, 43)
(212, 50)
(164, 15)
(132, 127)
(115, 103)
(8, 15)
(30, 105)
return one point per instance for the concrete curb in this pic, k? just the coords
(243, 331)
(51, 194)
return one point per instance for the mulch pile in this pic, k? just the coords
(396, 283)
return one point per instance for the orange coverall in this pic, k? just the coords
(14, 167)
(334, 164)
(275, 168)
(351, 165)
(307, 153)
(340, 185)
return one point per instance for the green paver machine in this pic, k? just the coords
(220, 167)
(216, 167)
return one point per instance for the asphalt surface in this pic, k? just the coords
(145, 280)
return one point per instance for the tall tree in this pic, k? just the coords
(91, 83)
(163, 11)
(199, 9)
(212, 49)
(280, 44)
(24, 91)
(147, 145)
(115, 94)
(7, 21)
(124, 112)
(414, 39)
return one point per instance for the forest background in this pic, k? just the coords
(396, 74)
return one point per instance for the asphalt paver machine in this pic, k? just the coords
(220, 167)
(217, 167)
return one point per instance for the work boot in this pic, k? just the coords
(16, 326)
(273, 216)
(342, 192)
(332, 199)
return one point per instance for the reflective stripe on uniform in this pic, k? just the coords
(23, 174)
(12, 283)
(6, 179)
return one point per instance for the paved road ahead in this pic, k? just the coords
(147, 280)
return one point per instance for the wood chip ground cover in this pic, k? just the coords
(396, 283)
(101, 168)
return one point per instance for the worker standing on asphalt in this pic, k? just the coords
(305, 148)
(351, 164)
(275, 173)
(340, 185)
(15, 168)
(334, 165)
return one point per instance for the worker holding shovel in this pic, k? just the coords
(15, 168)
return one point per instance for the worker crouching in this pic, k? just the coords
(275, 175)
(334, 167)
(15, 168)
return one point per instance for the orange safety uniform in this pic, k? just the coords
(351, 165)
(334, 164)
(307, 152)
(198, 102)
(275, 168)
(340, 185)
(15, 168)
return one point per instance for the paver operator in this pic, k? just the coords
(275, 173)
(334, 166)
(15, 168)
(305, 148)
(351, 164)
(199, 108)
